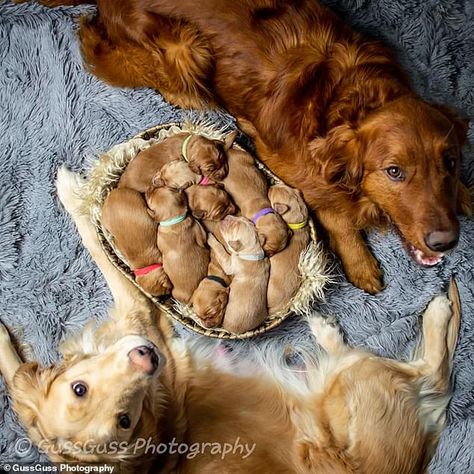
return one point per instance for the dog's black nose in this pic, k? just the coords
(144, 358)
(442, 240)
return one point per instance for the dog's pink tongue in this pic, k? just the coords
(427, 260)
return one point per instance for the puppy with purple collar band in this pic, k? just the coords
(248, 188)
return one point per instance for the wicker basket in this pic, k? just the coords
(104, 176)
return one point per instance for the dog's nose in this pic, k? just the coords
(442, 240)
(144, 358)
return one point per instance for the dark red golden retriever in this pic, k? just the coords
(330, 112)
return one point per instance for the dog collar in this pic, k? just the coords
(204, 181)
(146, 270)
(252, 257)
(183, 148)
(298, 225)
(217, 280)
(261, 213)
(173, 220)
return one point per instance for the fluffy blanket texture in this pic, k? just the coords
(53, 112)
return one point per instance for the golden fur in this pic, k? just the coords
(134, 232)
(350, 411)
(183, 245)
(285, 278)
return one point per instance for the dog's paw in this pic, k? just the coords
(438, 310)
(68, 186)
(327, 333)
(366, 275)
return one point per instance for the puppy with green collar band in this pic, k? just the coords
(181, 240)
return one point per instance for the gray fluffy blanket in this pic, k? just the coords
(53, 112)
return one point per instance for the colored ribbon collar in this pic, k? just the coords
(146, 270)
(217, 279)
(261, 213)
(184, 148)
(298, 225)
(252, 257)
(173, 220)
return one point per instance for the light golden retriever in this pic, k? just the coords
(129, 381)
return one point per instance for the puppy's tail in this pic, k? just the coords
(174, 59)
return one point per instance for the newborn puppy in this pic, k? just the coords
(248, 188)
(285, 278)
(178, 175)
(125, 216)
(250, 270)
(209, 202)
(181, 240)
(205, 157)
(211, 296)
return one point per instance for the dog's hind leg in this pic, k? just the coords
(127, 297)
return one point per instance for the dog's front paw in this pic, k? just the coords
(366, 274)
(68, 186)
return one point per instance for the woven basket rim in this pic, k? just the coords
(98, 188)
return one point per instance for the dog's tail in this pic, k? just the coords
(177, 61)
(441, 323)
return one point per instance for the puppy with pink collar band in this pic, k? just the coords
(248, 188)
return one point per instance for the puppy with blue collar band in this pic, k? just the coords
(181, 240)
(250, 269)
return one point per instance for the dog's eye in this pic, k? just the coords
(124, 422)
(79, 388)
(395, 173)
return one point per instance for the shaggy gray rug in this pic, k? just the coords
(53, 112)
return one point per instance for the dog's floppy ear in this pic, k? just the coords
(340, 158)
(156, 181)
(30, 384)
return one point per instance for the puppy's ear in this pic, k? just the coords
(460, 125)
(340, 157)
(199, 214)
(151, 212)
(235, 245)
(280, 207)
(157, 181)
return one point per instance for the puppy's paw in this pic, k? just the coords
(68, 186)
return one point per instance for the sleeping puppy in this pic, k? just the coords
(178, 175)
(247, 305)
(125, 216)
(181, 240)
(285, 278)
(129, 382)
(209, 202)
(204, 156)
(248, 188)
(210, 298)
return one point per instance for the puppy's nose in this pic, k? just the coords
(144, 359)
(442, 240)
